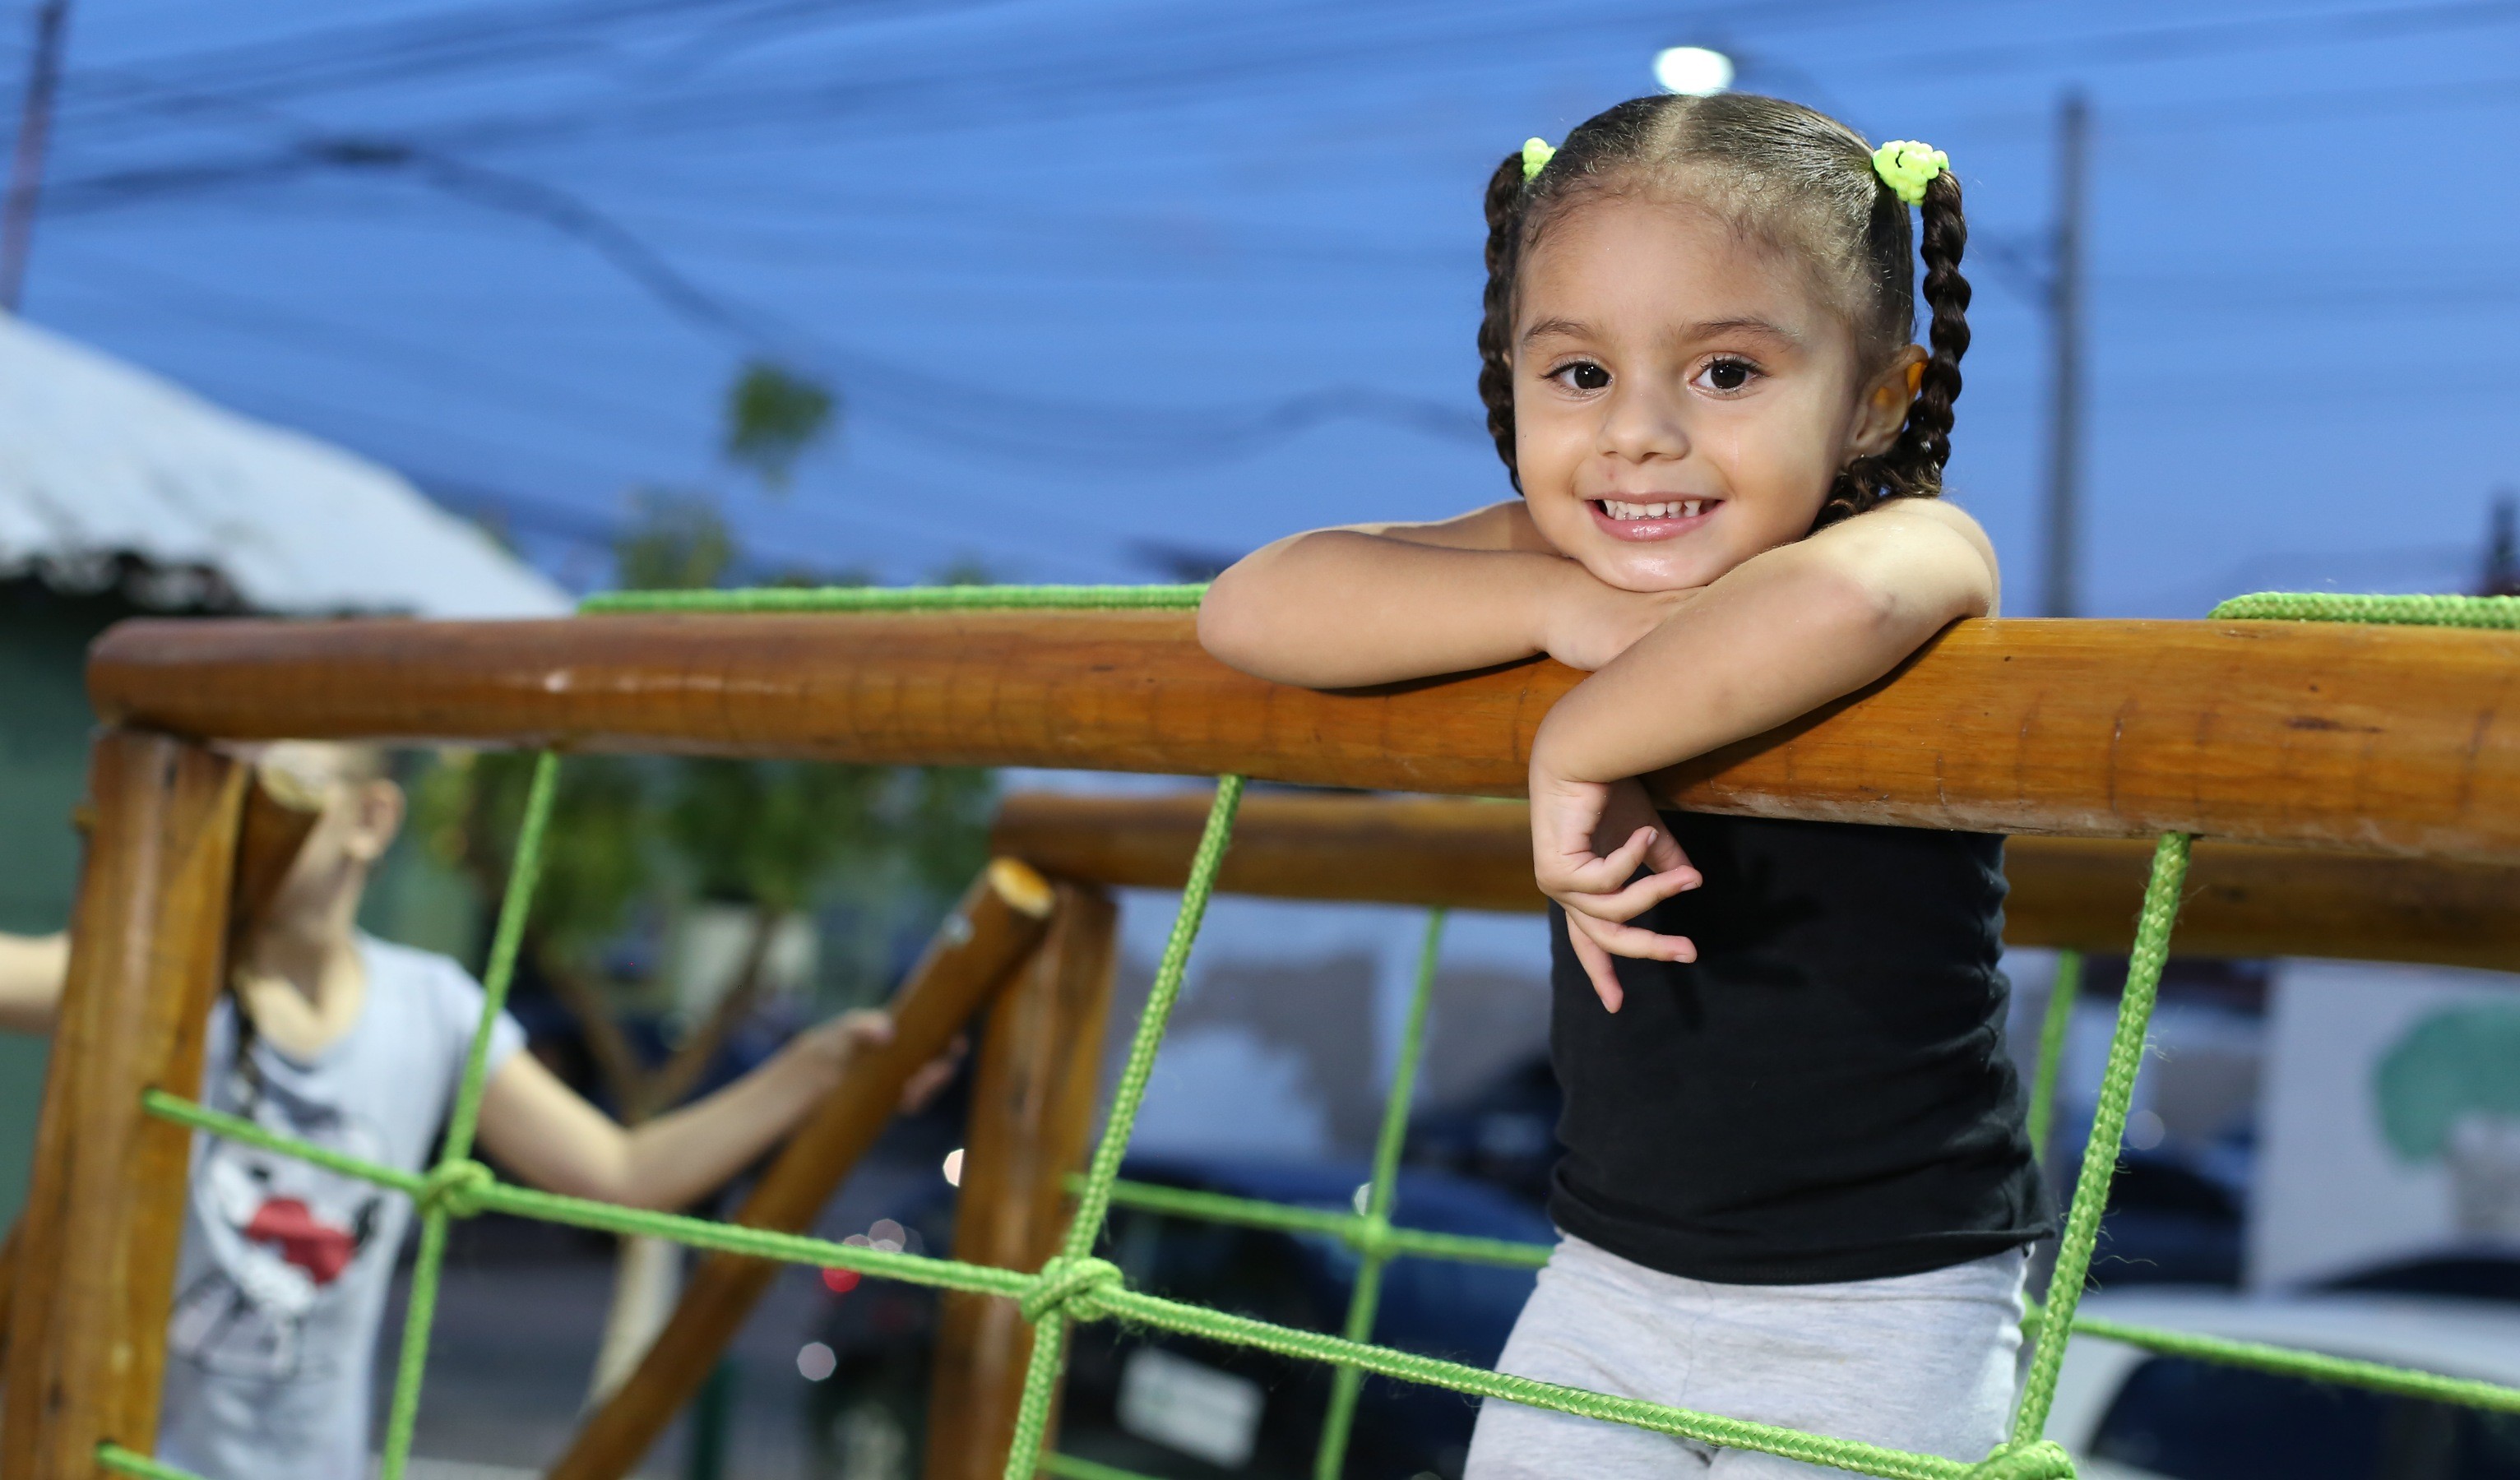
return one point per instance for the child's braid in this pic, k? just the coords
(1495, 326)
(1912, 468)
(1926, 445)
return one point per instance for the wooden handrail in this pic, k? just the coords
(2394, 739)
(2081, 893)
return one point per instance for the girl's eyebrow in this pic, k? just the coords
(1558, 329)
(1762, 328)
(1708, 328)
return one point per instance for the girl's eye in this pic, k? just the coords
(1583, 375)
(1726, 374)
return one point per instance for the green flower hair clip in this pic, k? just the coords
(1536, 154)
(1907, 166)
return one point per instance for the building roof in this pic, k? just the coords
(105, 466)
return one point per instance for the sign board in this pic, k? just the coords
(2390, 1127)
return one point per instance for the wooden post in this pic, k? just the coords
(1033, 1112)
(104, 1214)
(998, 925)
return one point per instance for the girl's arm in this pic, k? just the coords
(31, 970)
(1780, 635)
(1376, 603)
(551, 1138)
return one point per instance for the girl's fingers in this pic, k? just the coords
(1634, 900)
(1664, 854)
(1633, 941)
(1579, 870)
(868, 1026)
(1597, 967)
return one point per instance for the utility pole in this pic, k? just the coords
(2060, 593)
(2502, 548)
(26, 168)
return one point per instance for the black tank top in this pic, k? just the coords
(1825, 1094)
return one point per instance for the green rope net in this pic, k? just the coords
(1076, 1286)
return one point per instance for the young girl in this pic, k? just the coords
(1796, 1187)
(357, 1043)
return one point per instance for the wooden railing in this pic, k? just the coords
(2278, 742)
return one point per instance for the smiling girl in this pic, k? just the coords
(1796, 1188)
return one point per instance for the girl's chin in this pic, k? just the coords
(1646, 571)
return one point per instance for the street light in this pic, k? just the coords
(1693, 70)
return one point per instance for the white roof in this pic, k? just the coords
(99, 460)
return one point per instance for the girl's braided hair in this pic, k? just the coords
(1784, 174)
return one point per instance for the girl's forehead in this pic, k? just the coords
(1640, 260)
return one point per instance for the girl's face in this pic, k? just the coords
(1682, 398)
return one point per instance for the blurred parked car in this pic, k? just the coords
(1182, 1408)
(2131, 1414)
(2169, 1221)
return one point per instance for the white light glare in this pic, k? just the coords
(1692, 70)
(954, 1167)
(816, 1362)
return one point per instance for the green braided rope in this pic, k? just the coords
(1092, 1203)
(1070, 1468)
(1329, 1458)
(1138, 1308)
(2317, 1367)
(2108, 1125)
(495, 1196)
(2066, 986)
(1351, 1229)
(1107, 1299)
(420, 1311)
(115, 1457)
(2394, 610)
(899, 599)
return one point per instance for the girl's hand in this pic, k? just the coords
(1587, 839)
(1587, 623)
(831, 1046)
(834, 1046)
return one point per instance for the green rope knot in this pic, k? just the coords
(455, 1188)
(1071, 1286)
(1373, 1238)
(2039, 1460)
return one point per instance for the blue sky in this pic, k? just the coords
(1102, 280)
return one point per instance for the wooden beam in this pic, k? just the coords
(2082, 893)
(997, 924)
(1459, 853)
(280, 813)
(2396, 739)
(2247, 900)
(1032, 1113)
(104, 1213)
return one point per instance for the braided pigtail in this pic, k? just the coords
(1913, 467)
(1496, 324)
(1924, 446)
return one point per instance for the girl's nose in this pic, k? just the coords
(1642, 422)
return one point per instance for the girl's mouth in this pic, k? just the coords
(1660, 519)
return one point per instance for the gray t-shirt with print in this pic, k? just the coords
(282, 1282)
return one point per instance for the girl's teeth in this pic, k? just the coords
(1685, 508)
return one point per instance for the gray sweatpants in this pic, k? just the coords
(1918, 1361)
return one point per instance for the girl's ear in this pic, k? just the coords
(1883, 409)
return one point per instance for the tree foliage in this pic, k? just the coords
(773, 414)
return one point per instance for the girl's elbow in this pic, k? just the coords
(1225, 626)
(1237, 626)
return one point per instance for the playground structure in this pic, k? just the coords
(2368, 773)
